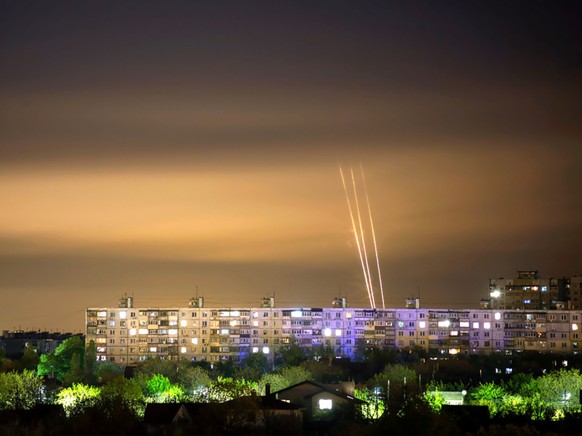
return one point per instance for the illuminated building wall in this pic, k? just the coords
(528, 291)
(127, 335)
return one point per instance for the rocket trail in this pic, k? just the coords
(373, 237)
(363, 239)
(356, 235)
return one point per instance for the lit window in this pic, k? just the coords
(255, 323)
(255, 349)
(475, 325)
(464, 324)
(102, 313)
(224, 331)
(454, 333)
(422, 324)
(143, 331)
(122, 314)
(195, 341)
(233, 323)
(325, 404)
(183, 323)
(183, 349)
(445, 323)
(574, 327)
(173, 332)
(235, 313)
(487, 325)
(497, 316)
(132, 332)
(265, 350)
(454, 351)
(296, 314)
(338, 332)
(153, 349)
(327, 332)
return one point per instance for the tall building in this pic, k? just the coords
(126, 335)
(528, 291)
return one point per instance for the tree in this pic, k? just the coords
(490, 395)
(253, 366)
(161, 390)
(29, 358)
(400, 380)
(78, 397)
(20, 390)
(106, 371)
(193, 379)
(284, 378)
(290, 355)
(121, 393)
(58, 364)
(91, 363)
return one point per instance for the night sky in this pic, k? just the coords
(152, 147)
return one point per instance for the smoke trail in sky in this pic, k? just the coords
(373, 237)
(369, 276)
(356, 236)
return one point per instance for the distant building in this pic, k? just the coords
(126, 335)
(528, 291)
(14, 342)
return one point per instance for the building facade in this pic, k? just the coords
(529, 291)
(126, 335)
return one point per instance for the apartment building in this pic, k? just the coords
(126, 335)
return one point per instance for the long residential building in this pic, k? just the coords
(126, 335)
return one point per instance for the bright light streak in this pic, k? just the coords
(371, 287)
(356, 234)
(373, 238)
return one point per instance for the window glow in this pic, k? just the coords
(143, 331)
(325, 404)
(496, 294)
(183, 350)
(454, 333)
(255, 314)
(255, 349)
(183, 323)
(102, 313)
(475, 325)
(255, 323)
(224, 331)
(265, 350)
(574, 327)
(132, 332)
(348, 315)
(464, 323)
(497, 316)
(338, 332)
(173, 332)
(153, 349)
(235, 313)
(296, 314)
(123, 314)
(486, 325)
(233, 323)
(327, 332)
(445, 323)
(454, 351)
(195, 341)
(422, 324)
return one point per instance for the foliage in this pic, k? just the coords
(77, 398)
(434, 399)
(226, 388)
(561, 389)
(374, 407)
(20, 390)
(253, 366)
(107, 371)
(400, 380)
(290, 355)
(157, 366)
(120, 392)
(65, 362)
(162, 391)
(324, 373)
(490, 395)
(284, 378)
(193, 378)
